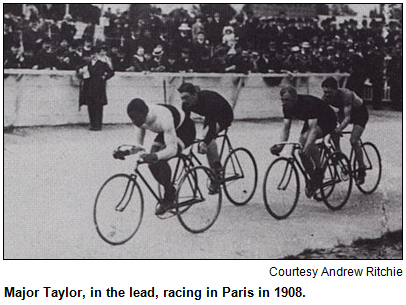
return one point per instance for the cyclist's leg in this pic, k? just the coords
(359, 118)
(213, 157)
(306, 160)
(162, 172)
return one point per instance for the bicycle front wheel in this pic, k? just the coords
(196, 208)
(373, 168)
(281, 188)
(337, 182)
(118, 209)
(240, 176)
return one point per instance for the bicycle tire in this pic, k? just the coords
(327, 189)
(197, 210)
(277, 188)
(340, 184)
(239, 181)
(117, 212)
(373, 164)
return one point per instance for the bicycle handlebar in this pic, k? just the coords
(294, 144)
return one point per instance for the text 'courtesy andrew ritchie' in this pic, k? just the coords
(266, 291)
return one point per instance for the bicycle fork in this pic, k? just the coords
(129, 189)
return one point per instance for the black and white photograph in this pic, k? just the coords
(204, 131)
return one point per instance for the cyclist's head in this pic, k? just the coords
(288, 95)
(329, 86)
(137, 110)
(188, 94)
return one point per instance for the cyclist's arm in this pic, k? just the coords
(347, 118)
(171, 144)
(285, 130)
(139, 136)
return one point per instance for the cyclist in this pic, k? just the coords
(351, 109)
(175, 130)
(218, 116)
(319, 120)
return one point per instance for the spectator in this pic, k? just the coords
(202, 63)
(157, 64)
(68, 29)
(76, 56)
(395, 78)
(200, 46)
(87, 48)
(32, 37)
(184, 63)
(171, 63)
(183, 40)
(46, 59)
(255, 59)
(138, 62)
(13, 57)
(88, 33)
(146, 41)
(93, 93)
(229, 38)
(217, 29)
(197, 27)
(62, 60)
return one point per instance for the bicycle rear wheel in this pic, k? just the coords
(118, 209)
(281, 188)
(197, 210)
(373, 168)
(337, 183)
(240, 176)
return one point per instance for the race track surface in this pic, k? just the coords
(52, 176)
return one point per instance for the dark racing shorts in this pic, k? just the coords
(359, 116)
(185, 132)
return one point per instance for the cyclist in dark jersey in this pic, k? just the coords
(176, 131)
(218, 116)
(319, 120)
(351, 109)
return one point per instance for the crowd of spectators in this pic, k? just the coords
(245, 44)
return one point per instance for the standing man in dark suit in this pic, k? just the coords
(93, 92)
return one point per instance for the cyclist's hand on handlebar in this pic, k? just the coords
(149, 158)
(120, 154)
(202, 149)
(276, 149)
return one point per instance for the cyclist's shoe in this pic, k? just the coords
(213, 187)
(163, 207)
(361, 176)
(167, 202)
(310, 189)
(318, 177)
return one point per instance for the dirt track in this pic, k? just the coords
(52, 176)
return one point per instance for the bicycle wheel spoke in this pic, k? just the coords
(281, 188)
(337, 183)
(118, 209)
(240, 176)
(197, 210)
(373, 168)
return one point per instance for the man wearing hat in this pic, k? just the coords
(157, 64)
(93, 92)
(183, 39)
